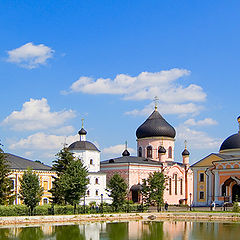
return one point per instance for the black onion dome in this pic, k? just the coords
(161, 150)
(185, 152)
(83, 145)
(155, 126)
(232, 142)
(82, 132)
(126, 153)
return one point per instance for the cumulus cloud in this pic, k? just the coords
(30, 55)
(36, 115)
(174, 98)
(203, 122)
(42, 141)
(197, 139)
(164, 108)
(117, 150)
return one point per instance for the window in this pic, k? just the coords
(170, 152)
(140, 152)
(223, 190)
(45, 201)
(149, 152)
(96, 192)
(91, 162)
(88, 192)
(201, 177)
(45, 185)
(181, 186)
(96, 181)
(12, 184)
(201, 195)
(175, 179)
(170, 186)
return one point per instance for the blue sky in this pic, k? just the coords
(104, 61)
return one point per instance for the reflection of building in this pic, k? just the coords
(155, 147)
(217, 176)
(89, 154)
(18, 165)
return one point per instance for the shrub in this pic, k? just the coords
(236, 207)
(13, 210)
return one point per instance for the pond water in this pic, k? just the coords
(133, 230)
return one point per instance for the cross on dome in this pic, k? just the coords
(156, 100)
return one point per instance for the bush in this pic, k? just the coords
(236, 207)
(14, 210)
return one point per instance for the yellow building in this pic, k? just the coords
(18, 165)
(217, 176)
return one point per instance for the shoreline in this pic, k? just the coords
(154, 216)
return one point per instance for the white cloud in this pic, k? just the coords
(30, 55)
(65, 130)
(204, 122)
(42, 141)
(36, 115)
(174, 98)
(197, 139)
(164, 108)
(144, 86)
(117, 150)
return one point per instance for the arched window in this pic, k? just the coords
(96, 181)
(88, 192)
(170, 186)
(149, 152)
(140, 152)
(175, 179)
(170, 152)
(181, 186)
(96, 192)
(45, 201)
(91, 162)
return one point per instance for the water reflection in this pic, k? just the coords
(133, 230)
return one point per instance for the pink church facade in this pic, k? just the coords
(155, 152)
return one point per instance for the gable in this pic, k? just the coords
(207, 161)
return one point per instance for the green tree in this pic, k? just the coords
(73, 182)
(153, 189)
(118, 191)
(30, 189)
(64, 158)
(6, 188)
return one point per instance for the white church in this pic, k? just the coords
(89, 154)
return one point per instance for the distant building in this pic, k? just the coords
(217, 176)
(18, 165)
(155, 150)
(89, 154)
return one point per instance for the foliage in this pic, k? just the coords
(30, 189)
(14, 210)
(236, 207)
(6, 188)
(73, 182)
(64, 157)
(118, 191)
(153, 189)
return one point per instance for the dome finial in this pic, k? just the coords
(82, 121)
(156, 99)
(185, 143)
(125, 152)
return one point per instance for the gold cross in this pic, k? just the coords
(156, 99)
(185, 142)
(82, 121)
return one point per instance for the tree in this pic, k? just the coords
(30, 189)
(6, 187)
(153, 189)
(118, 191)
(73, 182)
(64, 158)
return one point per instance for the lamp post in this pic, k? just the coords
(84, 204)
(190, 201)
(102, 203)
